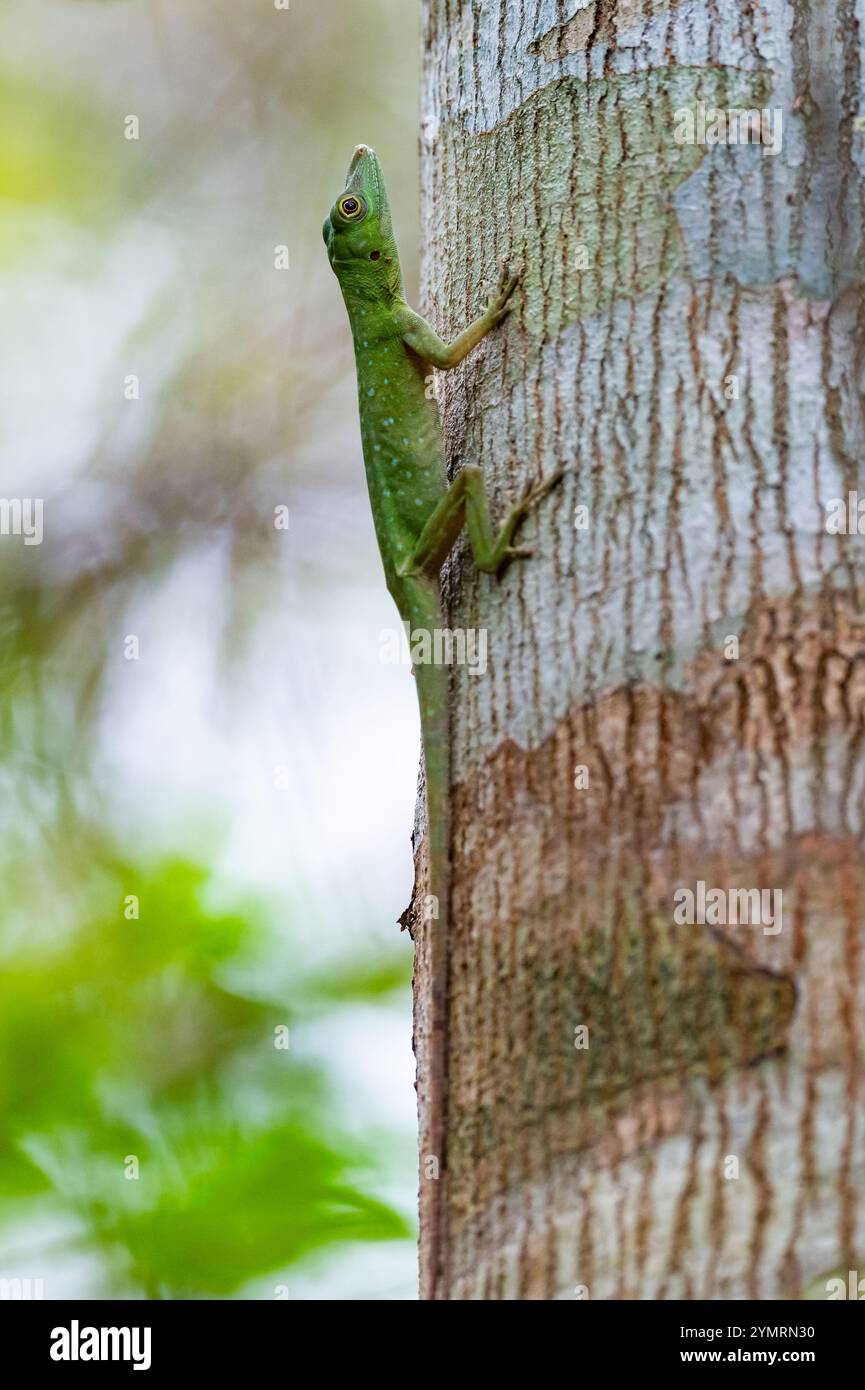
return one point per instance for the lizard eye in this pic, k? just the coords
(351, 208)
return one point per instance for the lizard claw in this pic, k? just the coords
(533, 491)
(509, 279)
(526, 493)
(549, 483)
(500, 305)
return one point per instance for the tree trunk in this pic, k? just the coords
(639, 1107)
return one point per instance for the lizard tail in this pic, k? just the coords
(433, 687)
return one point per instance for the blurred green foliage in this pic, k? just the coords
(152, 1037)
(123, 1041)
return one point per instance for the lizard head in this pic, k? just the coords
(358, 232)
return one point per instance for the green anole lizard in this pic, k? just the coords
(418, 518)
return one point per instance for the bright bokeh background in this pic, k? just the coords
(250, 777)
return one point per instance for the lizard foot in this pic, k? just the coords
(501, 304)
(533, 492)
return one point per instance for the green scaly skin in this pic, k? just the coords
(418, 518)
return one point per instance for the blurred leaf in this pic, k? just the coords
(58, 154)
(362, 981)
(119, 1039)
(214, 1204)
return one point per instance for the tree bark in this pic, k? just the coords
(676, 683)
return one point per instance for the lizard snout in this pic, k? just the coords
(359, 152)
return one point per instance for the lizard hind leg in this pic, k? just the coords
(491, 551)
(466, 503)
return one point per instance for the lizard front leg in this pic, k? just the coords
(422, 338)
(466, 502)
